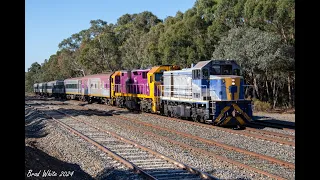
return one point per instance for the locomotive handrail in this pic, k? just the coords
(141, 87)
(178, 91)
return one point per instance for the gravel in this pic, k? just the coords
(59, 145)
(201, 164)
(273, 149)
(130, 152)
(218, 168)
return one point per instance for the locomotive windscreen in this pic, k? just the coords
(221, 70)
(158, 76)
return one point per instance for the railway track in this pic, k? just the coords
(253, 130)
(224, 148)
(249, 131)
(245, 133)
(202, 150)
(142, 160)
(209, 142)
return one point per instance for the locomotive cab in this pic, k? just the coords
(224, 88)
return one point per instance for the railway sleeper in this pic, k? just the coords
(131, 153)
(120, 146)
(147, 160)
(184, 178)
(132, 157)
(160, 167)
(151, 162)
(165, 174)
(146, 166)
(126, 150)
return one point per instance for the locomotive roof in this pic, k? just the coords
(55, 81)
(134, 70)
(187, 70)
(201, 64)
(91, 76)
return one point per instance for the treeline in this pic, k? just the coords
(258, 34)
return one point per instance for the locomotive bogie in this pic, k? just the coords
(185, 110)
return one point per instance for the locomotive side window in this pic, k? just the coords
(144, 75)
(196, 74)
(150, 79)
(205, 73)
(157, 76)
(117, 79)
(215, 70)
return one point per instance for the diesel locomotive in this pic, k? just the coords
(210, 92)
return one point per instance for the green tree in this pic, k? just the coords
(32, 76)
(265, 60)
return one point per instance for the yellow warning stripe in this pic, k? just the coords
(240, 120)
(227, 120)
(222, 113)
(243, 113)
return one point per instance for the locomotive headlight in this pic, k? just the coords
(233, 80)
(233, 83)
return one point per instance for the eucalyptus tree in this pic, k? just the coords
(69, 52)
(265, 60)
(132, 30)
(32, 76)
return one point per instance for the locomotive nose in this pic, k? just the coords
(232, 116)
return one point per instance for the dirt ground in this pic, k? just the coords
(40, 165)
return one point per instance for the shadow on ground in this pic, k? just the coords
(34, 124)
(38, 161)
(264, 121)
(88, 112)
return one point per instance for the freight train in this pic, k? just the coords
(210, 92)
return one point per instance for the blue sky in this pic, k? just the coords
(48, 22)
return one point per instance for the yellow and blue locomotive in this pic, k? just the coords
(211, 91)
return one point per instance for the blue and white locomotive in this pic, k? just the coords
(212, 92)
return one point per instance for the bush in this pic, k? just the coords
(260, 105)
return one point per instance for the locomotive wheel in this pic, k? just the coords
(196, 119)
(89, 100)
